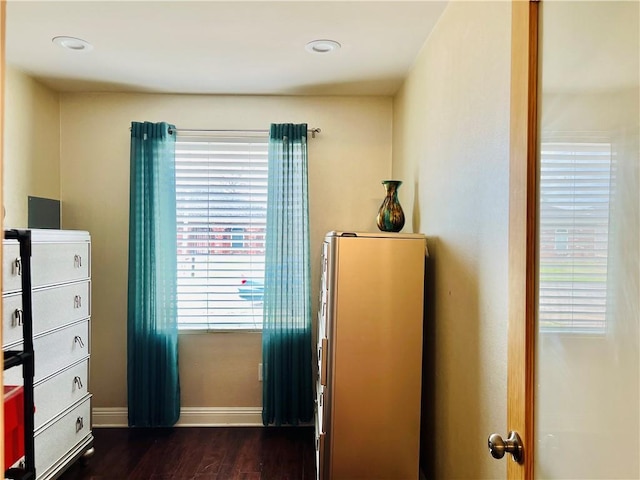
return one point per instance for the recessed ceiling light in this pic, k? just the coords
(322, 46)
(72, 43)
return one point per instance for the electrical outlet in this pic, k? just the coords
(259, 372)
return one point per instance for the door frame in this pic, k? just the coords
(522, 231)
(3, 6)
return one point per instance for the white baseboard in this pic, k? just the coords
(189, 417)
(109, 417)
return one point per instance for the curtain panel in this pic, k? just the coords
(152, 331)
(286, 335)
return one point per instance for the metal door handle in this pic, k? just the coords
(513, 445)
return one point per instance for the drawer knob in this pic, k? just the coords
(16, 321)
(78, 339)
(77, 261)
(79, 424)
(77, 301)
(77, 381)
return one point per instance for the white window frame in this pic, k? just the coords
(221, 195)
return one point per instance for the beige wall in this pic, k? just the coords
(347, 161)
(450, 138)
(31, 145)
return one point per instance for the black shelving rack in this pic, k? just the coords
(24, 357)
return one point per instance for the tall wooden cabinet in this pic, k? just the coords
(61, 307)
(370, 356)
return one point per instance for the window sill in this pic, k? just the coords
(202, 331)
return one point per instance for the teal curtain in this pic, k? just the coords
(152, 330)
(287, 394)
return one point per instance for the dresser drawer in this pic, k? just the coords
(50, 263)
(323, 359)
(11, 278)
(51, 308)
(59, 349)
(54, 352)
(58, 437)
(320, 449)
(11, 319)
(59, 262)
(58, 306)
(320, 414)
(59, 392)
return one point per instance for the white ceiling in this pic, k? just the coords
(217, 47)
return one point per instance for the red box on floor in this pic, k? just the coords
(13, 424)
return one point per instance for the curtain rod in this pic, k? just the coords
(197, 130)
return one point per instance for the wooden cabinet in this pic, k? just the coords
(61, 307)
(369, 356)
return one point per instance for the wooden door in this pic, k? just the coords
(522, 231)
(573, 390)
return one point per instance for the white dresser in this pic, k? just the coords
(61, 306)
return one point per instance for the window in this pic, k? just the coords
(576, 182)
(221, 195)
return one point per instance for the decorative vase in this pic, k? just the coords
(390, 216)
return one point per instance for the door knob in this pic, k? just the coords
(513, 445)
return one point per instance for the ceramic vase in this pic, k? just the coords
(390, 215)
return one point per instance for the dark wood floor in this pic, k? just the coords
(211, 453)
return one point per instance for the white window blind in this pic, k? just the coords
(576, 182)
(221, 193)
